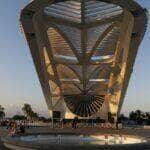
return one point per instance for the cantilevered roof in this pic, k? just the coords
(84, 50)
(73, 10)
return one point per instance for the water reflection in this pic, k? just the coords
(82, 139)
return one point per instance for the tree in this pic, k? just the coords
(27, 109)
(34, 115)
(132, 116)
(121, 118)
(147, 117)
(137, 116)
(2, 113)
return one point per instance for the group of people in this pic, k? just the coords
(17, 128)
(14, 127)
(75, 123)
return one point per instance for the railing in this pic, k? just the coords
(68, 123)
(81, 123)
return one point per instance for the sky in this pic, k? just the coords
(19, 83)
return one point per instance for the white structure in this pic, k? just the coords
(84, 52)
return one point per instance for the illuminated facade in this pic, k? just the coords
(84, 52)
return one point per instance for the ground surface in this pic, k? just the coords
(3, 132)
(132, 131)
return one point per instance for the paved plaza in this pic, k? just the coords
(3, 132)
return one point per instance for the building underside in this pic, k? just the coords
(84, 52)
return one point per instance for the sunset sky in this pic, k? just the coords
(18, 79)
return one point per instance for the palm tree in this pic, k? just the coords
(2, 113)
(147, 117)
(35, 115)
(27, 109)
(139, 113)
(121, 118)
(137, 116)
(132, 116)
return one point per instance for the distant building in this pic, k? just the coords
(84, 52)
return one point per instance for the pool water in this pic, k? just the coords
(82, 139)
